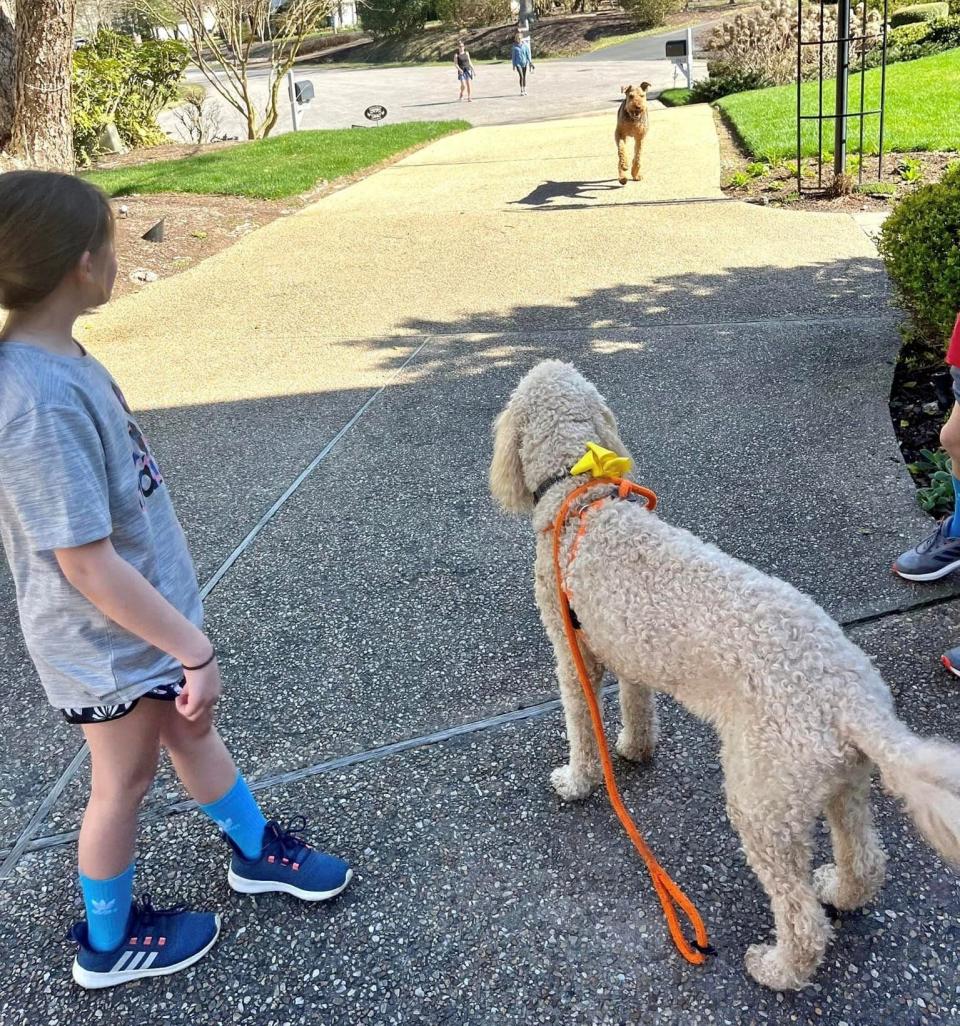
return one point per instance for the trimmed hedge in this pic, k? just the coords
(920, 39)
(919, 243)
(919, 12)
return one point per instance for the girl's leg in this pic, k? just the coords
(271, 858)
(210, 775)
(469, 97)
(123, 757)
(950, 440)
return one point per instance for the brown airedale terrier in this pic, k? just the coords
(632, 122)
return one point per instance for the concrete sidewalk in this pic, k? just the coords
(387, 673)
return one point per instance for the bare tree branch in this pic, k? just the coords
(222, 35)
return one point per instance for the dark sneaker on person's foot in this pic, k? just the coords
(951, 661)
(156, 942)
(288, 864)
(935, 557)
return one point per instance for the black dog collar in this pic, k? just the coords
(545, 486)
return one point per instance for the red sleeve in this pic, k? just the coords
(953, 350)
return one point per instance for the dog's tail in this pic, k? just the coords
(923, 773)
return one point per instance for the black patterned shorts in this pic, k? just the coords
(104, 713)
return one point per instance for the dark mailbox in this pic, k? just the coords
(676, 48)
(304, 91)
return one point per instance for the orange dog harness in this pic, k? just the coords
(671, 896)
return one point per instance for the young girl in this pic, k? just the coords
(464, 66)
(520, 58)
(108, 596)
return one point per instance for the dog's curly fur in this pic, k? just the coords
(802, 714)
(633, 121)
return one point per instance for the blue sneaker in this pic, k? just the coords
(288, 864)
(934, 557)
(158, 942)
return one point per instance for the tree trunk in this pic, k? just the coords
(42, 130)
(8, 70)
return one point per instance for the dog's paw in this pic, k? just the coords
(572, 787)
(634, 749)
(637, 177)
(623, 181)
(844, 896)
(766, 965)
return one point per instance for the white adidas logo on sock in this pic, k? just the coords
(103, 907)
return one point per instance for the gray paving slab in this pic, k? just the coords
(390, 599)
(480, 899)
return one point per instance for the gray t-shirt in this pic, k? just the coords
(75, 468)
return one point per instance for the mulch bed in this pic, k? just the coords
(196, 226)
(778, 185)
(920, 399)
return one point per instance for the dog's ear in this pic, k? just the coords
(506, 471)
(609, 432)
(644, 86)
(624, 89)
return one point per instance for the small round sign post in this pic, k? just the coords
(375, 113)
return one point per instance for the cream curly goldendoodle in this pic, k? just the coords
(802, 714)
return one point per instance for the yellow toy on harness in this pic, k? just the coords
(600, 462)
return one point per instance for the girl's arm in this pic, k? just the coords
(124, 595)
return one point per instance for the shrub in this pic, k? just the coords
(907, 35)
(199, 115)
(396, 17)
(919, 12)
(919, 39)
(114, 80)
(473, 13)
(650, 13)
(764, 44)
(709, 89)
(945, 33)
(918, 242)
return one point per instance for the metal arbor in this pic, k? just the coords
(849, 35)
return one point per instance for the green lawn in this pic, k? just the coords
(283, 165)
(674, 97)
(922, 111)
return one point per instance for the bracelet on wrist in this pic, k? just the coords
(206, 662)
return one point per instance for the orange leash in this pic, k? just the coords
(671, 896)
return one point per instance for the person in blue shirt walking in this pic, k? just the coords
(520, 58)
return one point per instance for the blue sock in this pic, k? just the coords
(108, 908)
(239, 817)
(953, 528)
